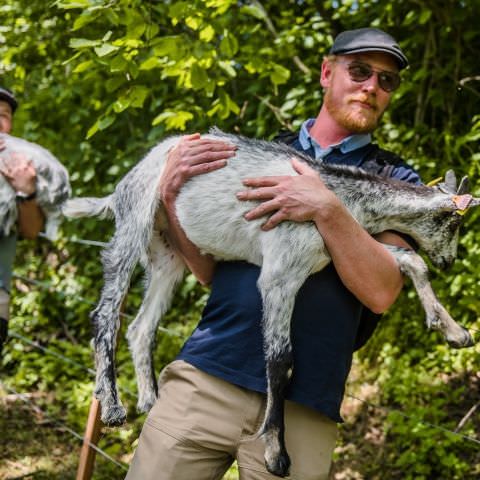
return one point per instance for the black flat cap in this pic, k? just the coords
(368, 40)
(7, 96)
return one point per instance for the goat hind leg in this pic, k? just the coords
(118, 265)
(412, 265)
(164, 269)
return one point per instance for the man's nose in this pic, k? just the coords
(371, 84)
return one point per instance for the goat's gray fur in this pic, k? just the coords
(52, 184)
(212, 218)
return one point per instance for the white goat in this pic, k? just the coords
(53, 186)
(212, 218)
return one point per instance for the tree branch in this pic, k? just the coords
(273, 31)
(467, 416)
(277, 112)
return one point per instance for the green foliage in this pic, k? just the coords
(100, 82)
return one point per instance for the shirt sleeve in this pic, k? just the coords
(405, 173)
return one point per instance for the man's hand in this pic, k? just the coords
(298, 198)
(192, 156)
(20, 173)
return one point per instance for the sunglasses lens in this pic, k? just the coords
(388, 81)
(359, 72)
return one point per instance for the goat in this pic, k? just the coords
(53, 186)
(212, 217)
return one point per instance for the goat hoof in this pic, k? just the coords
(466, 340)
(279, 466)
(114, 416)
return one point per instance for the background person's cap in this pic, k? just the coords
(368, 40)
(7, 96)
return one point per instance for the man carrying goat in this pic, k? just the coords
(212, 397)
(20, 174)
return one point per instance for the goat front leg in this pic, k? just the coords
(164, 269)
(412, 265)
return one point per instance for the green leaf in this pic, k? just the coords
(254, 11)
(113, 83)
(105, 49)
(118, 63)
(207, 33)
(83, 43)
(173, 120)
(113, 170)
(193, 22)
(424, 17)
(121, 104)
(137, 95)
(68, 4)
(279, 75)
(136, 30)
(101, 124)
(84, 19)
(167, 45)
(150, 63)
(228, 68)
(228, 45)
(198, 77)
(105, 122)
(82, 67)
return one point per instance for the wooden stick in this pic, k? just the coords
(92, 435)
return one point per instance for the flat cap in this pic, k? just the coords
(7, 96)
(368, 40)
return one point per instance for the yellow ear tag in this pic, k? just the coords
(432, 183)
(462, 202)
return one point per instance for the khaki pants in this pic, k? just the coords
(201, 424)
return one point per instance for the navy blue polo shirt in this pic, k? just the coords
(227, 342)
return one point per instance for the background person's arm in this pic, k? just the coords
(20, 173)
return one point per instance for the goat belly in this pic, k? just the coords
(212, 217)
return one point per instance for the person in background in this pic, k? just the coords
(212, 396)
(20, 174)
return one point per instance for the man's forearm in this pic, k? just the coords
(365, 267)
(202, 266)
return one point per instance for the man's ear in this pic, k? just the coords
(326, 73)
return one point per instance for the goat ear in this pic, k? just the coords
(462, 203)
(451, 181)
(464, 186)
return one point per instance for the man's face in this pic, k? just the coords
(356, 106)
(5, 117)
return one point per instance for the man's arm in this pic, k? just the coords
(365, 267)
(21, 174)
(191, 156)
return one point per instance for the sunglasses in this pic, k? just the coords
(360, 72)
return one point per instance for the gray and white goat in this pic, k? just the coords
(53, 186)
(212, 218)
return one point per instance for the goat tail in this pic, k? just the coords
(88, 207)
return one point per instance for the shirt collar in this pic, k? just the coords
(348, 144)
